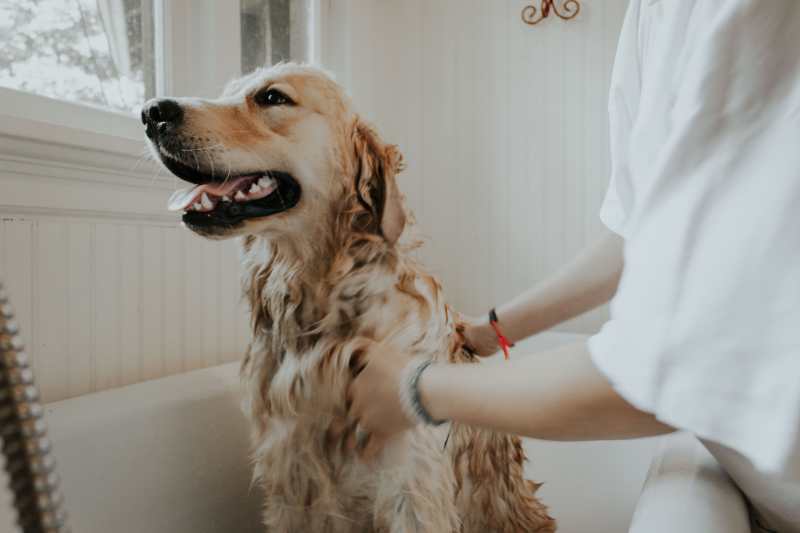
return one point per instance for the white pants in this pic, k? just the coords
(775, 503)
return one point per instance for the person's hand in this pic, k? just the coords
(373, 399)
(479, 336)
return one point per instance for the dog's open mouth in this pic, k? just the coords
(228, 202)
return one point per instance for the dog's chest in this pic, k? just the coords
(307, 381)
(405, 310)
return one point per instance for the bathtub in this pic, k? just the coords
(170, 456)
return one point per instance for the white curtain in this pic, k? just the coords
(112, 15)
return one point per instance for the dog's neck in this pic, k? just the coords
(297, 293)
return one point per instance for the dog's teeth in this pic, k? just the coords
(206, 203)
(197, 207)
(239, 196)
(266, 182)
(226, 199)
(254, 188)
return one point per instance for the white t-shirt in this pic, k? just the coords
(705, 188)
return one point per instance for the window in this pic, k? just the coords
(99, 52)
(273, 31)
(57, 56)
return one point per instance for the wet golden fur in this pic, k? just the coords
(329, 279)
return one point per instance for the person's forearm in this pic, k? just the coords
(558, 395)
(590, 280)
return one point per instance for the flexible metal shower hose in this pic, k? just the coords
(30, 467)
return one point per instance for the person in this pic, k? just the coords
(701, 264)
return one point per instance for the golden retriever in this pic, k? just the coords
(282, 160)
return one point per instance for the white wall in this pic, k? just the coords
(108, 288)
(504, 129)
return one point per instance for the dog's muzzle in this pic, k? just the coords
(216, 202)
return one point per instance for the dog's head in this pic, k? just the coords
(275, 154)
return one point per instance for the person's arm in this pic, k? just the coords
(588, 281)
(554, 395)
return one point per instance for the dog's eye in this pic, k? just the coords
(270, 97)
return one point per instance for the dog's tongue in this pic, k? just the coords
(183, 198)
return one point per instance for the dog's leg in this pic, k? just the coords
(308, 489)
(416, 488)
(492, 492)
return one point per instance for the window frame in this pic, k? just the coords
(192, 40)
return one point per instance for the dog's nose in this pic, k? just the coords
(160, 116)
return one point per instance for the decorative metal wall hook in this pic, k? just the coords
(568, 9)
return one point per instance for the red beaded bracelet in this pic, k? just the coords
(502, 340)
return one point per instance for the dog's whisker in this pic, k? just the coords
(203, 148)
(147, 155)
(196, 161)
(156, 175)
(283, 203)
(139, 160)
(228, 174)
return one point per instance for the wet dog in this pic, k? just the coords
(282, 161)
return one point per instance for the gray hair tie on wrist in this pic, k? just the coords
(410, 396)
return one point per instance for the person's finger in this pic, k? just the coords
(357, 438)
(462, 332)
(336, 429)
(348, 438)
(348, 399)
(358, 361)
(362, 438)
(354, 400)
(373, 448)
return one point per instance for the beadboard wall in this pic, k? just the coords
(107, 288)
(504, 131)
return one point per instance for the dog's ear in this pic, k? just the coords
(377, 165)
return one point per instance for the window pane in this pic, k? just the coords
(274, 31)
(92, 51)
